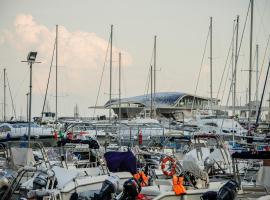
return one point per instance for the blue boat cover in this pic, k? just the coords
(121, 161)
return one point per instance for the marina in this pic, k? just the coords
(188, 134)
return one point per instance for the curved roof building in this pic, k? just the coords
(164, 103)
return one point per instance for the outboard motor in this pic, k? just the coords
(109, 187)
(228, 191)
(131, 189)
(210, 195)
(40, 181)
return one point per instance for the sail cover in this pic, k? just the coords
(121, 161)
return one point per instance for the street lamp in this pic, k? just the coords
(31, 58)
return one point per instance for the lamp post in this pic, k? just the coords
(31, 58)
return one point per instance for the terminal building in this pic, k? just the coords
(164, 104)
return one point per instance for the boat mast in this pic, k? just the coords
(233, 97)
(235, 63)
(250, 64)
(27, 106)
(155, 69)
(151, 96)
(5, 94)
(56, 74)
(257, 78)
(119, 115)
(110, 110)
(211, 67)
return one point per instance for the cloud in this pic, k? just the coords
(79, 52)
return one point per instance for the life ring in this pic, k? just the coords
(172, 169)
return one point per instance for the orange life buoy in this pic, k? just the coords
(172, 162)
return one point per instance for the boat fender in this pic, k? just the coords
(168, 161)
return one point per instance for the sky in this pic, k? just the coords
(181, 27)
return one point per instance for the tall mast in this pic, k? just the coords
(151, 101)
(233, 98)
(56, 74)
(119, 115)
(155, 67)
(110, 110)
(211, 67)
(257, 78)
(250, 64)
(27, 106)
(5, 94)
(235, 62)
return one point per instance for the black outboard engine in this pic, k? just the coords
(131, 189)
(210, 195)
(228, 191)
(40, 181)
(109, 187)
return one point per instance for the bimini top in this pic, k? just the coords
(161, 99)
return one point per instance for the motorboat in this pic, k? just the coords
(19, 130)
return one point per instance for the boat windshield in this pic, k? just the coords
(24, 125)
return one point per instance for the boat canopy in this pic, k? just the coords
(260, 155)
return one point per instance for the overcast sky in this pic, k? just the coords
(181, 27)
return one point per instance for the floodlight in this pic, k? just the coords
(32, 56)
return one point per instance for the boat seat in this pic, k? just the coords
(255, 188)
(163, 182)
(154, 190)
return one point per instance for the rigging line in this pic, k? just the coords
(12, 102)
(48, 81)
(236, 61)
(264, 56)
(123, 85)
(38, 85)
(227, 102)
(21, 84)
(100, 82)
(242, 36)
(146, 90)
(266, 78)
(226, 80)
(226, 62)
(2, 104)
(147, 78)
(204, 51)
(240, 44)
(261, 19)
